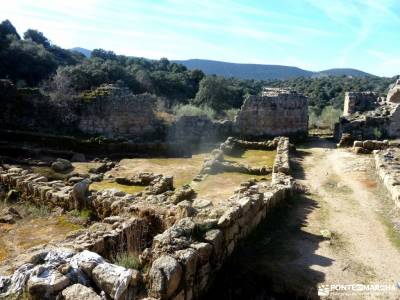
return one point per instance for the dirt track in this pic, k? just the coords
(340, 232)
(350, 215)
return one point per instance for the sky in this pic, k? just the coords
(310, 34)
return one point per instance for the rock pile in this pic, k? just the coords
(387, 163)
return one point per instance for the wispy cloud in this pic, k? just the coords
(306, 33)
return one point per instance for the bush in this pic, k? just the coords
(127, 260)
(326, 120)
(192, 110)
(231, 113)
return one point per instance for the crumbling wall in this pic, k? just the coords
(358, 102)
(118, 113)
(276, 112)
(366, 116)
(178, 263)
(393, 95)
(387, 166)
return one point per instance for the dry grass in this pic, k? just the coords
(105, 184)
(182, 169)
(219, 187)
(255, 158)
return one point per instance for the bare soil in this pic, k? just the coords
(344, 230)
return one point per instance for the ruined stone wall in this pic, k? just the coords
(27, 109)
(183, 266)
(179, 263)
(393, 95)
(388, 165)
(358, 102)
(272, 114)
(118, 113)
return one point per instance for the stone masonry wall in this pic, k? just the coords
(181, 262)
(119, 113)
(358, 102)
(387, 164)
(274, 113)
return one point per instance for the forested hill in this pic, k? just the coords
(254, 71)
(262, 72)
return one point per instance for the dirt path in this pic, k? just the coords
(339, 233)
(350, 215)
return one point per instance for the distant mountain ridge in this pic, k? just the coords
(254, 71)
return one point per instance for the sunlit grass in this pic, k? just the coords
(255, 158)
(104, 185)
(221, 186)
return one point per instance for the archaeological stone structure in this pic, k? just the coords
(275, 112)
(113, 112)
(181, 240)
(367, 116)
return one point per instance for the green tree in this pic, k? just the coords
(37, 37)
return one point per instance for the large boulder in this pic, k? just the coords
(165, 275)
(112, 279)
(79, 292)
(61, 165)
(80, 193)
(9, 215)
(46, 283)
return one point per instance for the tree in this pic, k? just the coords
(6, 28)
(104, 54)
(37, 37)
(218, 93)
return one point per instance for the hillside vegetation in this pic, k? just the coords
(32, 60)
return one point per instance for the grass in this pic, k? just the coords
(50, 174)
(182, 169)
(103, 185)
(35, 211)
(391, 232)
(65, 223)
(255, 158)
(219, 187)
(127, 260)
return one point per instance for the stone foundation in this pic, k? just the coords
(388, 168)
(181, 244)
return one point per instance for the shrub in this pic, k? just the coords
(192, 110)
(231, 113)
(326, 120)
(127, 260)
(377, 133)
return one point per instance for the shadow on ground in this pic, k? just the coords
(275, 261)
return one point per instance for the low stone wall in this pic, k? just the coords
(233, 146)
(387, 164)
(187, 256)
(182, 243)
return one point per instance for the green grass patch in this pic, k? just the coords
(392, 233)
(127, 260)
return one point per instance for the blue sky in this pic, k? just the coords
(311, 34)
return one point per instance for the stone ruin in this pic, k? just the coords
(275, 112)
(367, 116)
(114, 112)
(181, 241)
